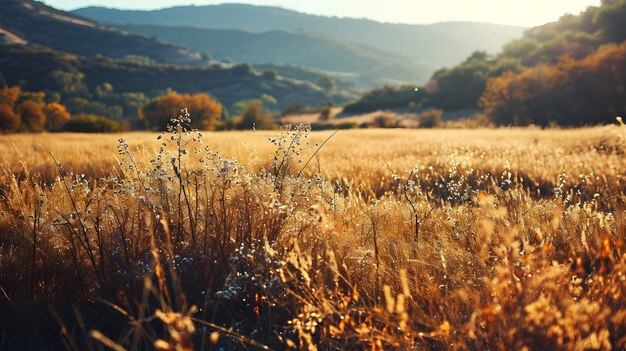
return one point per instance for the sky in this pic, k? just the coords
(526, 13)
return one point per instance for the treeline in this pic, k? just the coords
(27, 111)
(387, 97)
(569, 92)
(69, 102)
(207, 112)
(23, 111)
(98, 107)
(570, 72)
(118, 89)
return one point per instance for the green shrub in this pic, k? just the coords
(387, 97)
(244, 69)
(84, 123)
(254, 116)
(347, 125)
(270, 74)
(327, 83)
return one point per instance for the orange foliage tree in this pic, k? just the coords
(9, 120)
(56, 116)
(9, 95)
(27, 111)
(205, 111)
(588, 91)
(32, 115)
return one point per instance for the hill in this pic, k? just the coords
(438, 44)
(36, 23)
(109, 72)
(569, 72)
(34, 67)
(369, 66)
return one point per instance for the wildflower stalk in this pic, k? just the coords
(316, 152)
(85, 240)
(38, 203)
(180, 129)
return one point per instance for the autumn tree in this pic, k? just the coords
(32, 115)
(9, 96)
(56, 116)
(461, 86)
(570, 92)
(430, 118)
(205, 111)
(254, 116)
(9, 120)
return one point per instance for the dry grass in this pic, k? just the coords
(390, 239)
(360, 156)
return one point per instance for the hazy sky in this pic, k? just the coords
(515, 12)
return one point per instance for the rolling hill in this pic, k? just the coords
(368, 66)
(39, 44)
(36, 23)
(31, 67)
(438, 45)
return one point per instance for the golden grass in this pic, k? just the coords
(390, 239)
(360, 156)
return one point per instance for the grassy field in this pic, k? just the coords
(377, 240)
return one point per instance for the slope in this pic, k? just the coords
(372, 66)
(39, 24)
(32, 67)
(439, 44)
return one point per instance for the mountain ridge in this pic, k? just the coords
(287, 10)
(370, 66)
(37, 23)
(45, 49)
(422, 42)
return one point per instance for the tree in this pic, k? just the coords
(270, 74)
(267, 99)
(68, 82)
(430, 118)
(385, 121)
(326, 82)
(325, 112)
(254, 116)
(9, 95)
(611, 16)
(56, 116)
(206, 56)
(461, 86)
(9, 120)
(241, 70)
(85, 123)
(570, 92)
(78, 105)
(205, 111)
(388, 97)
(32, 115)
